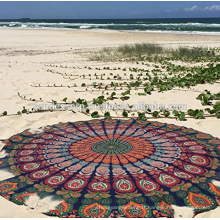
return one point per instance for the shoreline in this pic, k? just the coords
(200, 33)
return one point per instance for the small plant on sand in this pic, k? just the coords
(181, 116)
(197, 114)
(95, 114)
(4, 113)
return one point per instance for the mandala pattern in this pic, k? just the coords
(114, 168)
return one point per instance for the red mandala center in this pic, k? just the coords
(107, 150)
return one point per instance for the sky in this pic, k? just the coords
(108, 9)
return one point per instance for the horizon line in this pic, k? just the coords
(100, 18)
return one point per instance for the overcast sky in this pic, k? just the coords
(93, 10)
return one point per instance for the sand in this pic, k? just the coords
(26, 55)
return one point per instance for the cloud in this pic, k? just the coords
(212, 8)
(196, 8)
(193, 8)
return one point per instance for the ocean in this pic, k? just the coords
(176, 25)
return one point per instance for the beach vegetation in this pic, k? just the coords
(65, 99)
(5, 113)
(143, 51)
(95, 114)
(24, 110)
(141, 115)
(155, 113)
(107, 115)
(125, 113)
(154, 69)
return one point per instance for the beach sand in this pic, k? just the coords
(26, 55)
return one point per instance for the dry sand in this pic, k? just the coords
(24, 59)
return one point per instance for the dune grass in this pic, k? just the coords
(192, 53)
(140, 49)
(149, 50)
